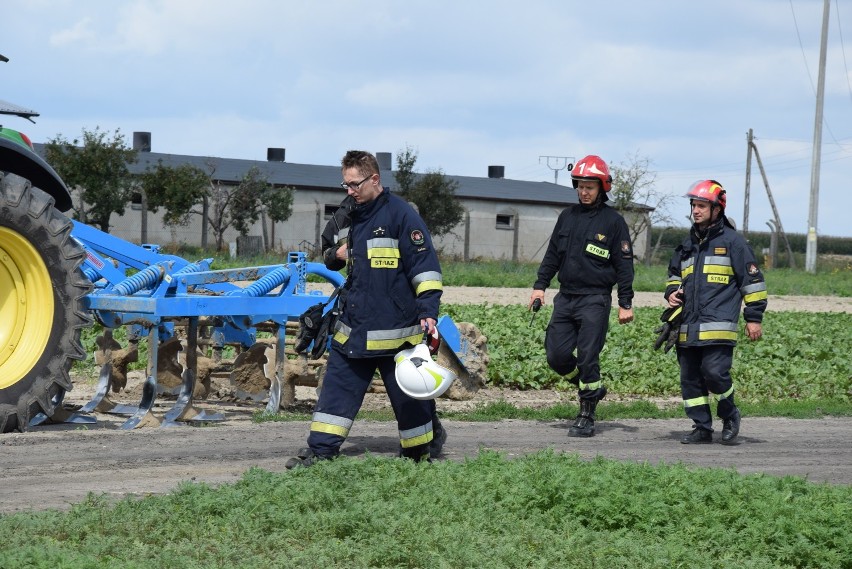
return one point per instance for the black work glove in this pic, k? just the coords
(669, 328)
(326, 329)
(309, 325)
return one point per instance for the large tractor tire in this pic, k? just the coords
(41, 313)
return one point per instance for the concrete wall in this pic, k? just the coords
(490, 230)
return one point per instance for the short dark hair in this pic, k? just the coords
(365, 162)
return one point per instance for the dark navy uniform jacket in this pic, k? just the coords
(394, 279)
(590, 251)
(718, 272)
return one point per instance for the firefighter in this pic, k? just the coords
(335, 254)
(711, 274)
(391, 297)
(589, 252)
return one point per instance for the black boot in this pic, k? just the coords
(584, 424)
(304, 458)
(698, 436)
(731, 428)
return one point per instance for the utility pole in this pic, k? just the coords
(811, 251)
(747, 184)
(556, 159)
(774, 209)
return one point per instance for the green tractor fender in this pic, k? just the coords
(18, 158)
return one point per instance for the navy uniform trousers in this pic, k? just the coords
(579, 321)
(344, 385)
(706, 370)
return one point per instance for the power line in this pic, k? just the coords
(842, 47)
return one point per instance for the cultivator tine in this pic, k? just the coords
(61, 415)
(275, 386)
(143, 417)
(183, 409)
(100, 391)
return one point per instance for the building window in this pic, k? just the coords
(505, 221)
(136, 201)
(329, 211)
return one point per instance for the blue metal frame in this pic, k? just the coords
(148, 291)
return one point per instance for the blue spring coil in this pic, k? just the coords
(197, 267)
(264, 284)
(143, 279)
(91, 274)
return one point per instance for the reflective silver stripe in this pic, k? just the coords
(686, 264)
(424, 277)
(718, 331)
(383, 247)
(752, 288)
(394, 334)
(717, 326)
(393, 339)
(344, 233)
(333, 420)
(416, 436)
(341, 332)
(331, 424)
(713, 260)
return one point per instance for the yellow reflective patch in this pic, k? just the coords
(428, 285)
(720, 279)
(417, 441)
(318, 427)
(687, 271)
(393, 343)
(597, 251)
(384, 263)
(717, 335)
(718, 269)
(754, 297)
(695, 401)
(382, 252)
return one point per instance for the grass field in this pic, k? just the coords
(542, 510)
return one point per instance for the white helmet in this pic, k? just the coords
(419, 376)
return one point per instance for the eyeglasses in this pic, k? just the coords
(354, 185)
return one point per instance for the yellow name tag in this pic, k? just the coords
(721, 279)
(598, 251)
(384, 263)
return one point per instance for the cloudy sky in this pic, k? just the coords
(467, 84)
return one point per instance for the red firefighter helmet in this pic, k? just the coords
(592, 168)
(708, 191)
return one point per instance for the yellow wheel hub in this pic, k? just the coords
(26, 306)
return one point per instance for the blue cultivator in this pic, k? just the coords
(165, 291)
(171, 301)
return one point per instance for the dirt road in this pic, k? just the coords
(55, 466)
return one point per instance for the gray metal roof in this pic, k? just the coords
(314, 177)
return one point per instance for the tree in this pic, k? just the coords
(238, 206)
(177, 189)
(97, 170)
(633, 181)
(433, 194)
(278, 205)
